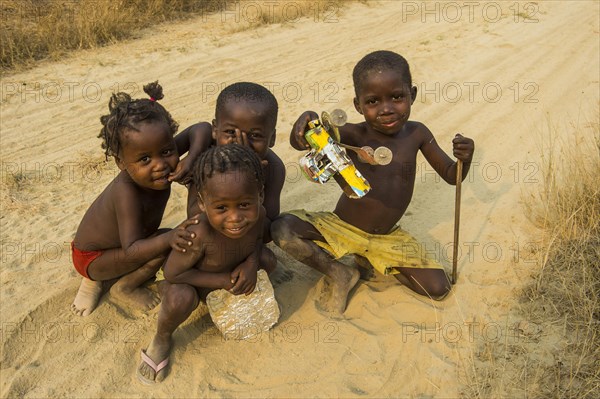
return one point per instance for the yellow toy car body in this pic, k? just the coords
(326, 159)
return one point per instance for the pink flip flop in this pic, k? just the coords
(156, 367)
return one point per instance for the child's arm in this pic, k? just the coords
(463, 148)
(298, 140)
(274, 180)
(193, 140)
(181, 238)
(244, 275)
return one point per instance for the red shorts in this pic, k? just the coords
(82, 259)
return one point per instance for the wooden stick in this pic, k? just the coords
(459, 168)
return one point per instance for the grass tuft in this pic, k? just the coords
(33, 30)
(566, 291)
(557, 350)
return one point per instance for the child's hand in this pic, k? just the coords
(183, 171)
(300, 127)
(181, 238)
(243, 277)
(463, 147)
(241, 138)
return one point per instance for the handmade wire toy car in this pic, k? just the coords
(328, 158)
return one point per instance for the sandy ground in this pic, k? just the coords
(497, 72)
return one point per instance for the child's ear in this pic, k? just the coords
(357, 106)
(261, 196)
(413, 94)
(120, 163)
(214, 129)
(272, 140)
(201, 204)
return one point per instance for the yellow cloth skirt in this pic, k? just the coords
(386, 252)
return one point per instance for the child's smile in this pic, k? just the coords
(231, 201)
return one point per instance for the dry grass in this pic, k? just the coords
(556, 353)
(37, 29)
(287, 12)
(567, 290)
(15, 188)
(33, 30)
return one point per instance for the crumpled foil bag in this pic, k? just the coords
(244, 316)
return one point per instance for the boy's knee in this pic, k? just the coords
(439, 290)
(179, 297)
(280, 230)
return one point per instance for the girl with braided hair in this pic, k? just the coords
(118, 239)
(230, 190)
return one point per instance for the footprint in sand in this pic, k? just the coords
(24, 342)
(485, 278)
(361, 355)
(444, 349)
(188, 73)
(505, 45)
(228, 62)
(357, 391)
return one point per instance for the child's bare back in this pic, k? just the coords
(99, 228)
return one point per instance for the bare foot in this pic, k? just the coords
(140, 297)
(334, 293)
(366, 270)
(158, 351)
(87, 297)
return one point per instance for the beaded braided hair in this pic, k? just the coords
(127, 113)
(380, 61)
(227, 158)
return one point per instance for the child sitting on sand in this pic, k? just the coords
(118, 237)
(230, 184)
(246, 113)
(367, 227)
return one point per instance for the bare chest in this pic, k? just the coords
(223, 255)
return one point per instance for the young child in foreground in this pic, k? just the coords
(246, 114)
(367, 227)
(230, 185)
(118, 238)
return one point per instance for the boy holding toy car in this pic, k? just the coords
(366, 227)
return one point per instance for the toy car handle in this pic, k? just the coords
(365, 154)
(381, 156)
